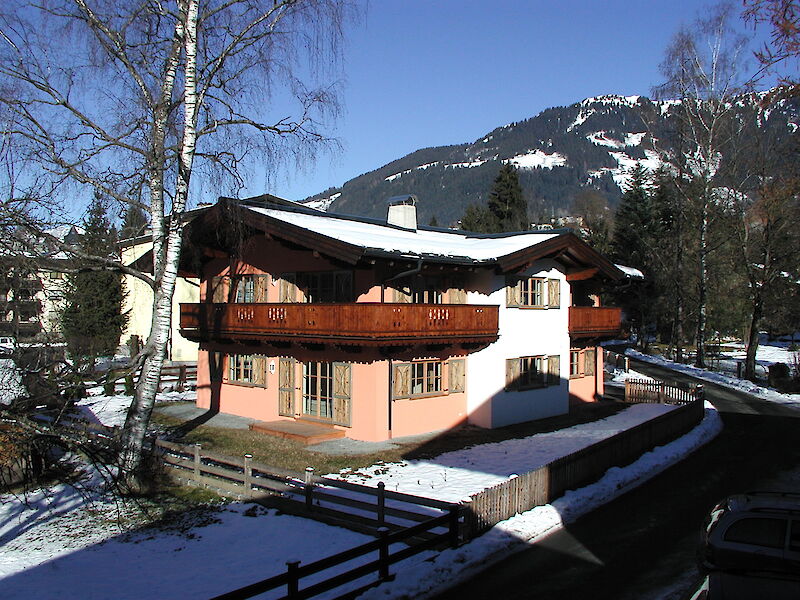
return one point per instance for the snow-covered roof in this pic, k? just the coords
(381, 237)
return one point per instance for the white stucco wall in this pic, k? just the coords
(138, 304)
(522, 332)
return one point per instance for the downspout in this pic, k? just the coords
(408, 273)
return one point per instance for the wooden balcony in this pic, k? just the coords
(594, 322)
(362, 323)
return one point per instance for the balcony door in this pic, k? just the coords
(326, 392)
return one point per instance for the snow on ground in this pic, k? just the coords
(743, 385)
(111, 410)
(453, 476)
(451, 566)
(57, 546)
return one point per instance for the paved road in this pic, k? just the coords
(643, 545)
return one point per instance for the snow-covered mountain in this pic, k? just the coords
(560, 152)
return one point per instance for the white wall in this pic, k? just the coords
(522, 332)
(138, 304)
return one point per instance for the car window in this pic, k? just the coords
(758, 531)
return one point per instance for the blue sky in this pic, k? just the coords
(422, 73)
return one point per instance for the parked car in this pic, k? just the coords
(751, 545)
(7, 345)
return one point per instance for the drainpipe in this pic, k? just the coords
(413, 271)
(389, 404)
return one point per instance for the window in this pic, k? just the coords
(766, 532)
(528, 372)
(248, 369)
(318, 390)
(574, 363)
(421, 290)
(426, 377)
(536, 292)
(240, 368)
(582, 362)
(321, 286)
(245, 289)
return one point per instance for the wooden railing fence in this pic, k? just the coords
(545, 484)
(653, 391)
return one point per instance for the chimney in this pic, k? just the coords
(403, 211)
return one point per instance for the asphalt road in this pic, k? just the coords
(643, 544)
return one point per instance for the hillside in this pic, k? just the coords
(560, 152)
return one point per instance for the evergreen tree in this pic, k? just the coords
(133, 223)
(92, 320)
(479, 219)
(506, 202)
(634, 223)
(433, 222)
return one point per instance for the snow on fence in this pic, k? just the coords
(545, 484)
(653, 391)
(618, 361)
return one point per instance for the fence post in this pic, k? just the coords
(700, 392)
(627, 364)
(293, 585)
(469, 518)
(248, 474)
(197, 462)
(181, 378)
(309, 487)
(381, 503)
(627, 390)
(383, 553)
(454, 514)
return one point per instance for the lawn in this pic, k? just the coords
(294, 456)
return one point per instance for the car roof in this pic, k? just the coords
(758, 501)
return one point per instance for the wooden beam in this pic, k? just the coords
(582, 274)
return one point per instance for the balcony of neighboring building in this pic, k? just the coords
(356, 323)
(596, 322)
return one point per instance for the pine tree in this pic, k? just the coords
(479, 219)
(92, 320)
(133, 223)
(634, 223)
(507, 203)
(433, 222)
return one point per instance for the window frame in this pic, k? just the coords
(521, 377)
(533, 292)
(238, 365)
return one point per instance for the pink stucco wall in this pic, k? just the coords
(588, 388)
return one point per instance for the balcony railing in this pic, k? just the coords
(594, 322)
(378, 324)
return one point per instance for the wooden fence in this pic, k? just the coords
(545, 484)
(386, 557)
(357, 507)
(653, 391)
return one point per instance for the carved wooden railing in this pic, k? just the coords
(362, 322)
(593, 321)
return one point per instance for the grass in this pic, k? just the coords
(295, 456)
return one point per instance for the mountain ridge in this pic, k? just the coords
(560, 152)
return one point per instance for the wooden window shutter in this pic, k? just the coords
(286, 387)
(260, 370)
(402, 294)
(216, 364)
(288, 288)
(342, 390)
(457, 296)
(457, 375)
(401, 380)
(261, 287)
(218, 292)
(554, 293)
(513, 291)
(512, 373)
(589, 360)
(553, 370)
(344, 286)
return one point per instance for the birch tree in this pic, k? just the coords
(147, 101)
(702, 69)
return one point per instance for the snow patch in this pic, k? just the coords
(537, 159)
(322, 203)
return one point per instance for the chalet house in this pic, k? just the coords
(385, 329)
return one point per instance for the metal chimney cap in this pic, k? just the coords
(405, 199)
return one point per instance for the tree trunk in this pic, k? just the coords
(752, 337)
(702, 288)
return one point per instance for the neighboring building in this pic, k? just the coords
(138, 302)
(384, 329)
